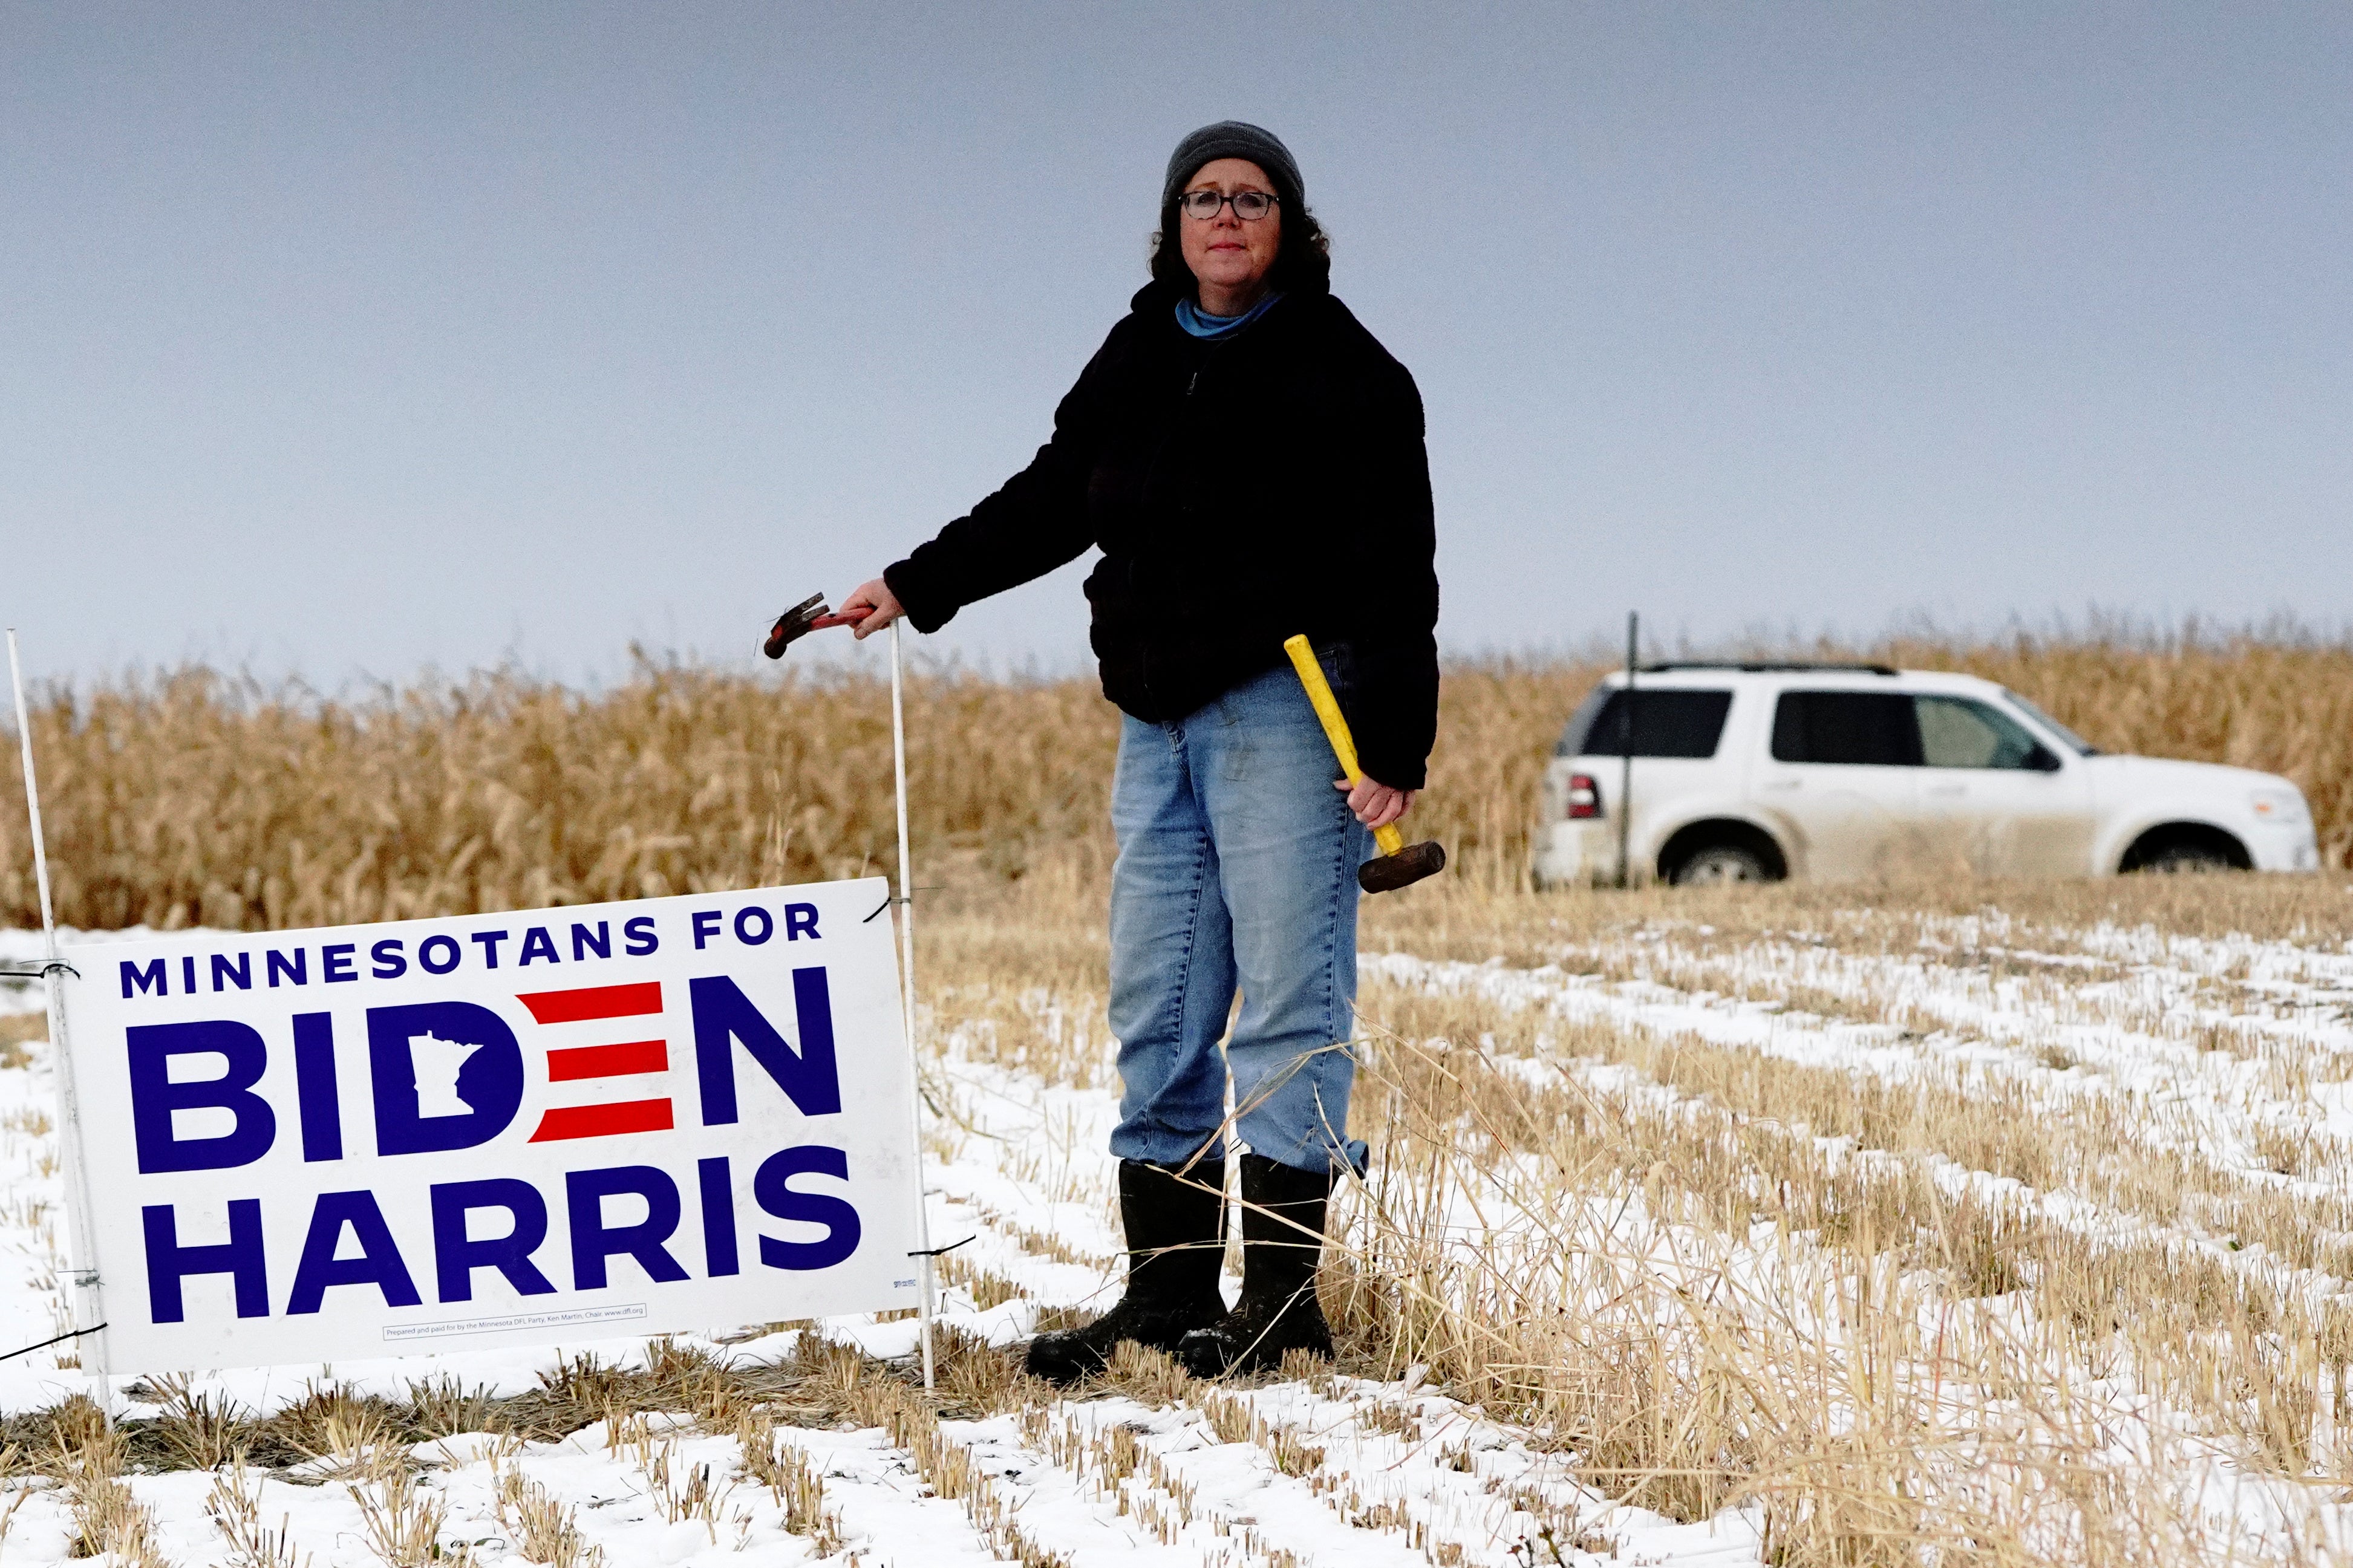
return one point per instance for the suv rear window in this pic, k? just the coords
(1668, 722)
(1857, 728)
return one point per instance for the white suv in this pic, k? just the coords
(1757, 772)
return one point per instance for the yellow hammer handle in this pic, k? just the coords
(1335, 730)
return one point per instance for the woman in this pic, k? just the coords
(1249, 461)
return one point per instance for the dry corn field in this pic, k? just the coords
(198, 800)
(1952, 1224)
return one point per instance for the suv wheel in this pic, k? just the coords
(1720, 863)
(2184, 858)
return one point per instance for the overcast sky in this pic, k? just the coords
(355, 338)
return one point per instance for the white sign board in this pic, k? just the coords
(549, 1125)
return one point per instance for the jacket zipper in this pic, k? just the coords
(1193, 382)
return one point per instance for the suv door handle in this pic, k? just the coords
(1782, 785)
(1948, 792)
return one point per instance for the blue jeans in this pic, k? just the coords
(1237, 870)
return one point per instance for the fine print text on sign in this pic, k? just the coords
(555, 1124)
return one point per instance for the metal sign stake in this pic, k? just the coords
(88, 1300)
(907, 990)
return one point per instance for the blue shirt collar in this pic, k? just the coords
(1199, 323)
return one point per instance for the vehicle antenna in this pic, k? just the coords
(1626, 761)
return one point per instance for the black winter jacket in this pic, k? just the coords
(1240, 491)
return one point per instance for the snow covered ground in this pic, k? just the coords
(2227, 1066)
(1289, 1474)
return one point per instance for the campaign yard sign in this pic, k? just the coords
(562, 1124)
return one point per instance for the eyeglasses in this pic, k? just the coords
(1248, 205)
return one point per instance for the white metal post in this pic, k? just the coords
(89, 1300)
(907, 987)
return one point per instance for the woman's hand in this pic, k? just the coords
(1375, 803)
(874, 606)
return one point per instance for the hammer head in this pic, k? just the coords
(796, 621)
(1408, 866)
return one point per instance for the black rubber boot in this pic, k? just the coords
(1283, 1237)
(1175, 1241)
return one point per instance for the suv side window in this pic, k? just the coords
(1869, 729)
(1955, 732)
(1668, 722)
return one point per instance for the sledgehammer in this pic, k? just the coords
(1399, 864)
(811, 614)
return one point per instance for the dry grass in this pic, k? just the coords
(193, 798)
(234, 1507)
(403, 1517)
(333, 1429)
(88, 1459)
(1714, 1276)
(202, 1432)
(543, 1526)
(1678, 1283)
(771, 1459)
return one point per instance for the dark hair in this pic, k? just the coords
(1303, 261)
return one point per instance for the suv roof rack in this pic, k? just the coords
(1763, 667)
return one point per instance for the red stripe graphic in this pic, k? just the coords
(602, 1120)
(594, 1002)
(608, 1061)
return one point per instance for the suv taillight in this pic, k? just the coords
(1584, 797)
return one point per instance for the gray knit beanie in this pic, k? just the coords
(1235, 138)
